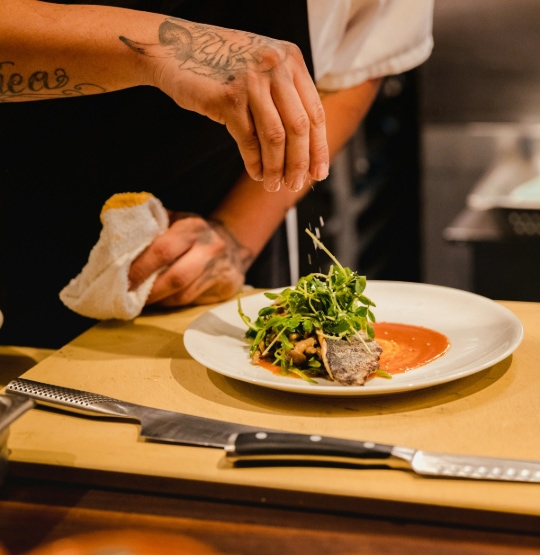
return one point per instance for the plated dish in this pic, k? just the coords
(481, 333)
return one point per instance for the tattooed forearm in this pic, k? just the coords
(206, 50)
(39, 84)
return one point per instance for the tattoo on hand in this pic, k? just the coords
(39, 84)
(238, 253)
(207, 50)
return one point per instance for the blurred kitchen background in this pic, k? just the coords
(428, 189)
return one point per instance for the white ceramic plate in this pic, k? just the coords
(481, 333)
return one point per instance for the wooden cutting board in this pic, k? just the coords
(495, 412)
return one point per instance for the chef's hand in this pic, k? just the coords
(258, 87)
(200, 263)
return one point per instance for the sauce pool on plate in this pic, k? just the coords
(406, 347)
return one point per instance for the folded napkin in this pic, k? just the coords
(131, 221)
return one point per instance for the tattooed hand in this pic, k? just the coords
(201, 263)
(258, 87)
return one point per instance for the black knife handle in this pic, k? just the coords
(289, 446)
(73, 400)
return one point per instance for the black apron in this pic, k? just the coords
(61, 159)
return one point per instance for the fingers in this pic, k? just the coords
(245, 134)
(174, 286)
(171, 254)
(163, 251)
(319, 157)
(295, 157)
(271, 134)
(282, 135)
(196, 278)
(194, 262)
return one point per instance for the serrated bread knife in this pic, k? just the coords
(250, 443)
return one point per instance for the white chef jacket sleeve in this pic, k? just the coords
(356, 40)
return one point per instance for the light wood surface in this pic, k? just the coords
(495, 413)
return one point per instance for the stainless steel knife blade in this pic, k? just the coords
(262, 446)
(156, 424)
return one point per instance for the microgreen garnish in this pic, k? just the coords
(331, 304)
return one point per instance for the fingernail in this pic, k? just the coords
(321, 172)
(273, 186)
(256, 173)
(297, 184)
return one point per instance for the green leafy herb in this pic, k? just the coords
(331, 304)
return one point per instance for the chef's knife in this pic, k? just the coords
(248, 443)
(156, 424)
(264, 446)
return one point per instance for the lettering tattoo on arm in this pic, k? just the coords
(215, 52)
(39, 84)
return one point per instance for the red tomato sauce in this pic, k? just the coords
(274, 368)
(406, 347)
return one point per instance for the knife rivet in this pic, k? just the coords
(525, 473)
(496, 470)
(481, 470)
(315, 438)
(510, 471)
(369, 444)
(261, 435)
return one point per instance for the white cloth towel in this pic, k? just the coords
(131, 221)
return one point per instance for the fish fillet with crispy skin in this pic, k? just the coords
(352, 361)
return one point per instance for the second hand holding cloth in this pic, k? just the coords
(131, 221)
